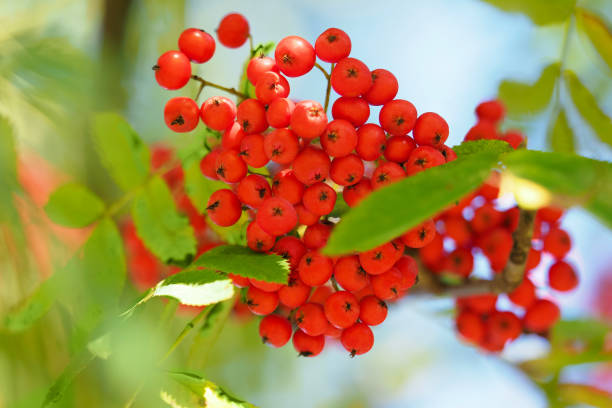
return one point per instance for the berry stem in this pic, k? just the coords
(328, 90)
(260, 174)
(327, 76)
(232, 91)
(251, 45)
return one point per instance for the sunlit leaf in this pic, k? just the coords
(561, 137)
(74, 205)
(213, 395)
(196, 287)
(482, 146)
(389, 212)
(242, 261)
(540, 12)
(163, 230)
(599, 33)
(588, 107)
(523, 99)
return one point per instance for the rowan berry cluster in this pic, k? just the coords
(307, 161)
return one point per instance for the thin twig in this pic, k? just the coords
(325, 73)
(328, 90)
(232, 91)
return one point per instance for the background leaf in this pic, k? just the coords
(561, 136)
(579, 394)
(587, 105)
(389, 212)
(196, 287)
(482, 146)
(242, 261)
(540, 12)
(121, 151)
(73, 205)
(163, 230)
(599, 34)
(212, 394)
(8, 171)
(522, 99)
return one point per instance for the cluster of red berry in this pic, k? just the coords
(311, 160)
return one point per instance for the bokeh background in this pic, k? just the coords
(62, 60)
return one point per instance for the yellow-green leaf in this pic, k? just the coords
(541, 12)
(525, 99)
(561, 136)
(74, 205)
(599, 34)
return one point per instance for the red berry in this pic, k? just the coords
(294, 56)
(305, 217)
(387, 285)
(239, 281)
(398, 148)
(276, 216)
(315, 269)
(423, 158)
(279, 112)
(496, 246)
(503, 326)
(420, 235)
(493, 111)
(342, 309)
(275, 330)
(281, 146)
(481, 304)
(287, 186)
(252, 150)
(541, 316)
(173, 70)
(258, 66)
(265, 286)
(308, 346)
(486, 218)
(347, 170)
(351, 77)
(397, 117)
(311, 165)
(550, 214)
(562, 277)
(230, 167)
(208, 164)
(355, 110)
(387, 173)
(290, 248)
(349, 274)
(482, 130)
(384, 87)
(319, 199)
(294, 294)
(333, 45)
(260, 302)
(233, 30)
(320, 294)
(431, 253)
(460, 262)
(224, 207)
(380, 259)
(372, 310)
(271, 86)
(218, 112)
(232, 137)
(316, 235)
(470, 326)
(353, 194)
(197, 45)
(524, 295)
(251, 114)
(409, 271)
(258, 239)
(253, 190)
(339, 138)
(514, 138)
(430, 129)
(357, 339)
(308, 119)
(557, 243)
(371, 141)
(448, 153)
(310, 317)
(458, 229)
(181, 114)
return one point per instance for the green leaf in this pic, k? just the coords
(242, 261)
(482, 146)
(213, 395)
(540, 12)
(8, 171)
(208, 333)
(163, 230)
(589, 335)
(77, 364)
(524, 99)
(599, 34)
(587, 105)
(561, 136)
(584, 395)
(262, 49)
(389, 212)
(74, 205)
(200, 188)
(340, 208)
(121, 151)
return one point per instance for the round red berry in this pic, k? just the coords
(311, 165)
(218, 112)
(181, 114)
(276, 216)
(398, 148)
(230, 167)
(308, 346)
(351, 77)
(310, 317)
(503, 326)
(252, 150)
(384, 87)
(371, 142)
(562, 276)
(422, 158)
(316, 235)
(339, 138)
(258, 66)
(305, 217)
(380, 259)
(481, 304)
(208, 164)
(357, 339)
(524, 295)
(287, 186)
(173, 70)
(470, 326)
(294, 56)
(372, 310)
(275, 330)
(398, 117)
(482, 130)
(197, 45)
(541, 316)
(315, 269)
(233, 30)
(260, 302)
(319, 199)
(354, 193)
(333, 45)
(279, 112)
(281, 146)
(224, 207)
(347, 170)
(271, 86)
(420, 235)
(387, 285)
(408, 269)
(342, 309)
(232, 137)
(290, 248)
(308, 119)
(387, 173)
(294, 294)
(349, 274)
(253, 190)
(430, 129)
(251, 114)
(493, 111)
(258, 239)
(355, 110)
(265, 286)
(557, 243)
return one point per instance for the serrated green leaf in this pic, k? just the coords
(213, 395)
(540, 12)
(588, 107)
(389, 212)
(482, 146)
(196, 287)
(74, 205)
(524, 99)
(240, 260)
(162, 229)
(561, 136)
(199, 188)
(599, 34)
(121, 151)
